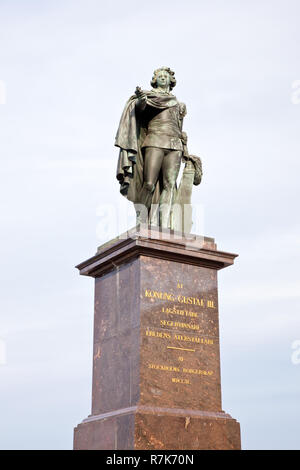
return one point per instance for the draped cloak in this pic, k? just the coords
(131, 133)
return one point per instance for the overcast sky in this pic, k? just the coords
(66, 71)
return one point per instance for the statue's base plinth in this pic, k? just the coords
(150, 428)
(156, 369)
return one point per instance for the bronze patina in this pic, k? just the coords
(152, 146)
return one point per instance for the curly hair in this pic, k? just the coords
(170, 72)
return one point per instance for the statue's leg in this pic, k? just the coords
(152, 165)
(170, 170)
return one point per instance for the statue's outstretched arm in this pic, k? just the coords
(141, 99)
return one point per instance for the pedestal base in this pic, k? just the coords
(150, 428)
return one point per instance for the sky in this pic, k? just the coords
(66, 71)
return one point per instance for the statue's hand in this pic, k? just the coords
(141, 95)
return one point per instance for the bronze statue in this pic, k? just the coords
(152, 147)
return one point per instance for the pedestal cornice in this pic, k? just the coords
(156, 243)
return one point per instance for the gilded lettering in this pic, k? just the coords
(158, 334)
(197, 371)
(180, 381)
(193, 339)
(190, 300)
(186, 325)
(164, 367)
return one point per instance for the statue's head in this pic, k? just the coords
(163, 76)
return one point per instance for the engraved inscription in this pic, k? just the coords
(173, 323)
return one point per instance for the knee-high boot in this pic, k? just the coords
(143, 208)
(166, 203)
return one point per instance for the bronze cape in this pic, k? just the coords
(130, 136)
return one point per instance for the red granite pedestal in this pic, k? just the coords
(156, 366)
